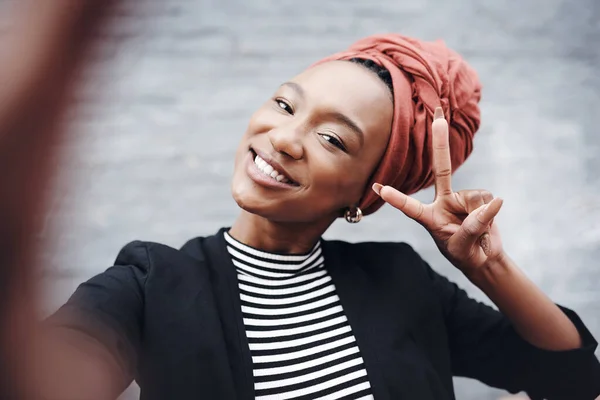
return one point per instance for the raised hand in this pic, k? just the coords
(43, 59)
(461, 223)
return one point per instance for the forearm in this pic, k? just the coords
(69, 365)
(41, 55)
(535, 317)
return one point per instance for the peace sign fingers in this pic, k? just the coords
(411, 207)
(442, 164)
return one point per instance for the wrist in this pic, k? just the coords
(492, 272)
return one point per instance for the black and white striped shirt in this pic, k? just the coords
(301, 343)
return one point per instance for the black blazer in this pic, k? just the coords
(173, 318)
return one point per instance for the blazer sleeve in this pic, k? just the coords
(485, 346)
(109, 307)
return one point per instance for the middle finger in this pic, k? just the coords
(442, 163)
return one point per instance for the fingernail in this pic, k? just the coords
(483, 210)
(439, 113)
(377, 188)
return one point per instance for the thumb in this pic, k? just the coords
(475, 225)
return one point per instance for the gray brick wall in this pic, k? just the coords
(152, 159)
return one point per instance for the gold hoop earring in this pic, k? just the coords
(353, 215)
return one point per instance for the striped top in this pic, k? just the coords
(301, 343)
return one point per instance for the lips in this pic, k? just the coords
(271, 168)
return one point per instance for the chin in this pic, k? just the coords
(252, 198)
(246, 196)
(256, 205)
(274, 211)
(288, 207)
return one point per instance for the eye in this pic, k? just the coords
(285, 106)
(334, 141)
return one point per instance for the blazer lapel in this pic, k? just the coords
(225, 284)
(357, 293)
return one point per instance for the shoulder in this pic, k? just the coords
(148, 258)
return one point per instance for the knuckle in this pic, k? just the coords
(475, 198)
(471, 195)
(461, 198)
(404, 201)
(444, 172)
(420, 211)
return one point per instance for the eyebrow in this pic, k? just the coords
(296, 88)
(335, 115)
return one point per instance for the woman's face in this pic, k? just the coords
(310, 150)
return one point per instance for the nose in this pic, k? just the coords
(287, 140)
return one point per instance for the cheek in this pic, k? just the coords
(343, 184)
(258, 124)
(262, 120)
(254, 124)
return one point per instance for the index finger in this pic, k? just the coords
(442, 164)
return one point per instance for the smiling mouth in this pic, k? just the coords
(269, 171)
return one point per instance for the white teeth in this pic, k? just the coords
(268, 170)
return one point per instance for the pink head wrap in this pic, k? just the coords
(425, 75)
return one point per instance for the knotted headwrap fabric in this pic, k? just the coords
(425, 75)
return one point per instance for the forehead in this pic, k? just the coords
(345, 85)
(350, 89)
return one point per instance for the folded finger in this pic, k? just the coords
(477, 223)
(487, 196)
(473, 200)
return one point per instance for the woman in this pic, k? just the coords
(268, 309)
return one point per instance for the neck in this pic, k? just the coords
(277, 237)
